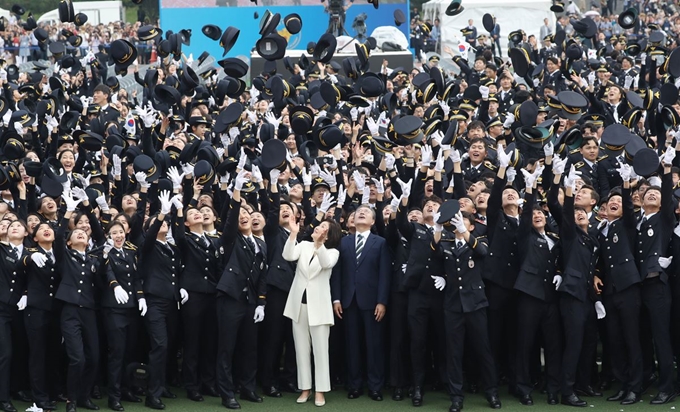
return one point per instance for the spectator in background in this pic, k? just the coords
(435, 35)
(546, 30)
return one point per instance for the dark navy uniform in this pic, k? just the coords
(592, 172)
(473, 174)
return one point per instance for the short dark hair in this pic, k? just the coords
(102, 88)
(476, 124)
(334, 234)
(588, 139)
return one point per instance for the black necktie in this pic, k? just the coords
(459, 244)
(251, 243)
(50, 256)
(360, 246)
(205, 241)
(15, 252)
(168, 248)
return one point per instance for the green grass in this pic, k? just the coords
(131, 14)
(337, 401)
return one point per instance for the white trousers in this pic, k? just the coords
(307, 337)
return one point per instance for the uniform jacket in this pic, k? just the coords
(464, 291)
(121, 270)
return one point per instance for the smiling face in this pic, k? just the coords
(129, 203)
(48, 205)
(257, 221)
(364, 217)
(78, 239)
(208, 215)
(581, 218)
(194, 217)
(123, 221)
(429, 209)
(84, 224)
(538, 220)
(651, 200)
(614, 207)
(477, 153)
(44, 233)
(285, 212)
(510, 197)
(244, 222)
(16, 231)
(117, 233)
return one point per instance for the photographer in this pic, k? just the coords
(337, 10)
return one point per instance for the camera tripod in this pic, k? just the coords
(335, 26)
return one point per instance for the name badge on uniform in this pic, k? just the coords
(421, 231)
(222, 250)
(615, 239)
(471, 263)
(650, 232)
(11, 259)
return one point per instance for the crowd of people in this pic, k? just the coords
(332, 225)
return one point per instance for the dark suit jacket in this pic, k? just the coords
(464, 291)
(368, 279)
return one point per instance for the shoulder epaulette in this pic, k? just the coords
(490, 165)
(574, 151)
(32, 249)
(602, 157)
(130, 245)
(215, 235)
(579, 164)
(553, 234)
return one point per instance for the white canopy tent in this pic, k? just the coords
(510, 15)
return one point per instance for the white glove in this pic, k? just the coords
(599, 309)
(51, 122)
(664, 262)
(511, 174)
(326, 203)
(677, 230)
(437, 226)
(529, 178)
(405, 188)
(328, 178)
(142, 306)
(259, 314)
(559, 164)
(668, 156)
(591, 78)
(242, 160)
(394, 203)
(79, 194)
(240, 180)
(252, 117)
(366, 196)
(439, 163)
(86, 102)
(166, 205)
(107, 247)
(306, 177)
(184, 295)
(372, 126)
(359, 181)
(121, 295)
(625, 172)
(454, 155)
(19, 128)
(557, 281)
(22, 302)
(570, 179)
(458, 222)
(426, 156)
(71, 203)
(354, 113)
(177, 201)
(220, 152)
(628, 81)
(439, 282)
(536, 83)
(101, 202)
(314, 169)
(175, 177)
(274, 176)
(256, 174)
(117, 168)
(271, 119)
(484, 91)
(141, 179)
(509, 121)
(379, 185)
(503, 158)
(445, 107)
(438, 136)
(234, 133)
(342, 196)
(390, 160)
(549, 149)
(321, 113)
(187, 169)
(39, 259)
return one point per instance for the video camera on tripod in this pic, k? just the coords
(336, 8)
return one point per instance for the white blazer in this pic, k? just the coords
(313, 273)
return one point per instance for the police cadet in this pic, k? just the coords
(580, 249)
(654, 233)
(464, 302)
(621, 281)
(537, 305)
(159, 269)
(42, 317)
(240, 301)
(589, 167)
(78, 319)
(121, 297)
(198, 279)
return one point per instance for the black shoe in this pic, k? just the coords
(168, 395)
(23, 396)
(154, 403)
(456, 406)
(195, 396)
(375, 395)
(417, 396)
(494, 402)
(553, 399)
(631, 398)
(46, 406)
(250, 396)
(210, 391)
(473, 388)
(70, 406)
(586, 391)
(88, 404)
(7, 407)
(96, 392)
(619, 396)
(115, 405)
(398, 394)
(289, 387)
(129, 396)
(663, 397)
(526, 400)
(573, 400)
(353, 393)
(272, 392)
(231, 403)
(648, 382)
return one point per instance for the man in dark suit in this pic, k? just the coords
(653, 241)
(360, 288)
(622, 300)
(241, 294)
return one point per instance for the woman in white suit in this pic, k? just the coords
(309, 304)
